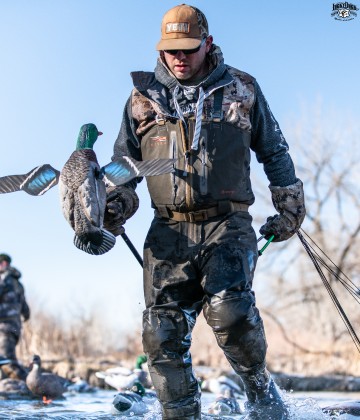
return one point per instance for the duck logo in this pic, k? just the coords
(344, 11)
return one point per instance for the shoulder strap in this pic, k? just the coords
(217, 114)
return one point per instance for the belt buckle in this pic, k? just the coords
(197, 216)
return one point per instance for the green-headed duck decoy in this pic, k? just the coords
(82, 185)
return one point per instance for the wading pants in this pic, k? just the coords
(189, 267)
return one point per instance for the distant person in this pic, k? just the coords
(13, 308)
(201, 250)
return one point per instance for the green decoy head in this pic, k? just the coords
(87, 136)
(140, 361)
(138, 388)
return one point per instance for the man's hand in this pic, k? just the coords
(289, 202)
(122, 203)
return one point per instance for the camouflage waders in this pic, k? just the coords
(189, 267)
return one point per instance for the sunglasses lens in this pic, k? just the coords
(187, 52)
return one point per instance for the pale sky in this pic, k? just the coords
(66, 63)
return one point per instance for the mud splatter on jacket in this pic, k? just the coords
(159, 121)
(13, 304)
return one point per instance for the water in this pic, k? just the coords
(98, 405)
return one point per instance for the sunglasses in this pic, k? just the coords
(187, 52)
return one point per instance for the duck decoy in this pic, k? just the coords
(82, 185)
(220, 385)
(45, 385)
(14, 388)
(79, 385)
(129, 403)
(225, 404)
(123, 379)
(343, 410)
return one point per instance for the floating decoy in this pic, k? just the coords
(220, 385)
(14, 387)
(225, 404)
(82, 185)
(122, 378)
(344, 410)
(45, 385)
(79, 385)
(129, 403)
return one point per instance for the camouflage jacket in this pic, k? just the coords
(13, 304)
(159, 97)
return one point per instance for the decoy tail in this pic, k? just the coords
(107, 243)
(36, 182)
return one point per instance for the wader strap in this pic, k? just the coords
(223, 207)
(217, 114)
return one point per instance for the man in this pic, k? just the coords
(13, 306)
(201, 250)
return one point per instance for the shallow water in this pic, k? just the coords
(98, 405)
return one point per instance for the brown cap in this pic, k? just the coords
(182, 28)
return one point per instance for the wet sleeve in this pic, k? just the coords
(127, 142)
(269, 144)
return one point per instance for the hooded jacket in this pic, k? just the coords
(12, 301)
(210, 128)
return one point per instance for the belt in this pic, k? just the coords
(202, 215)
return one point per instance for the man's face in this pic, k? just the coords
(189, 67)
(3, 266)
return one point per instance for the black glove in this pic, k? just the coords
(121, 203)
(289, 202)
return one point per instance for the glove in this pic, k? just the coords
(121, 203)
(289, 202)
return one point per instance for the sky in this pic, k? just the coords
(66, 63)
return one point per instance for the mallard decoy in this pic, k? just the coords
(83, 195)
(129, 403)
(122, 378)
(45, 385)
(82, 187)
(225, 404)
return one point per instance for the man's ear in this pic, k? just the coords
(209, 42)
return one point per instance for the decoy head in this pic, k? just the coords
(87, 136)
(140, 361)
(35, 361)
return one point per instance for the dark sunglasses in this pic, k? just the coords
(187, 52)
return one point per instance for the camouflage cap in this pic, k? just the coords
(182, 28)
(5, 257)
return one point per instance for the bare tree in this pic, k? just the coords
(296, 306)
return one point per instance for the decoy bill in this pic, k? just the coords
(82, 186)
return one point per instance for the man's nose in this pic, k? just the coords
(180, 55)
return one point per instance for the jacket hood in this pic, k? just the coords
(216, 65)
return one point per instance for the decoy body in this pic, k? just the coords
(124, 379)
(79, 385)
(82, 189)
(45, 385)
(129, 403)
(345, 410)
(221, 385)
(225, 404)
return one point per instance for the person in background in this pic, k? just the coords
(13, 307)
(200, 252)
